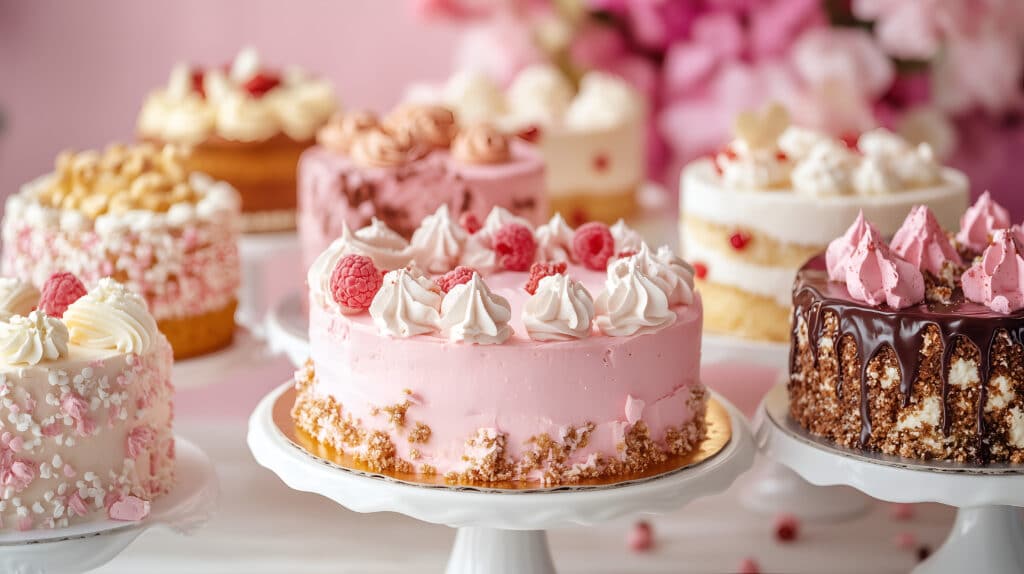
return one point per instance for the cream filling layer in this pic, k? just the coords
(773, 282)
(794, 218)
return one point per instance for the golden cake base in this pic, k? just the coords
(579, 207)
(719, 433)
(734, 312)
(202, 334)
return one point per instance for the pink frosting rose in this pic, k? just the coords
(923, 242)
(997, 281)
(837, 256)
(980, 221)
(876, 275)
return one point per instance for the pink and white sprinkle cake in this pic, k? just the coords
(546, 355)
(85, 404)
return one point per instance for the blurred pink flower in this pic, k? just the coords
(596, 45)
(775, 24)
(498, 47)
(983, 72)
(655, 24)
(843, 56)
(457, 10)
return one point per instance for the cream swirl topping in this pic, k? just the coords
(631, 303)
(406, 305)
(539, 94)
(378, 148)
(827, 170)
(478, 252)
(387, 249)
(481, 144)
(471, 313)
(437, 243)
(753, 168)
(343, 128)
(17, 297)
(626, 238)
(561, 310)
(604, 101)
(29, 340)
(429, 125)
(110, 316)
(554, 240)
(676, 273)
(475, 96)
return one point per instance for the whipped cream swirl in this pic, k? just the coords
(827, 170)
(631, 303)
(407, 304)
(437, 243)
(17, 297)
(554, 240)
(604, 101)
(471, 313)
(479, 249)
(29, 340)
(378, 148)
(626, 238)
(428, 125)
(387, 249)
(670, 271)
(539, 94)
(343, 128)
(481, 144)
(110, 316)
(560, 310)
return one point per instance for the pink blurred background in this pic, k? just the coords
(75, 73)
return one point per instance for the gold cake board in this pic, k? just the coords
(719, 433)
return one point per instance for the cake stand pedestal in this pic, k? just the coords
(498, 532)
(287, 329)
(208, 369)
(987, 536)
(83, 547)
(778, 489)
(255, 250)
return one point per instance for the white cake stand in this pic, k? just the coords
(988, 535)
(287, 329)
(255, 249)
(499, 532)
(211, 368)
(777, 488)
(84, 547)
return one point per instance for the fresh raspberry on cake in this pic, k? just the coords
(594, 245)
(355, 281)
(456, 276)
(261, 83)
(539, 271)
(515, 246)
(59, 291)
(470, 222)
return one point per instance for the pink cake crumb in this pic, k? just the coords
(129, 509)
(640, 538)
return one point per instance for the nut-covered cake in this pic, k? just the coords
(776, 195)
(914, 347)
(243, 123)
(85, 396)
(135, 214)
(544, 355)
(400, 168)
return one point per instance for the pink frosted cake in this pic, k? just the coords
(85, 395)
(402, 168)
(546, 355)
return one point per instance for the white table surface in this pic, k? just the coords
(263, 527)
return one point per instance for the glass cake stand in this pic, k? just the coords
(83, 547)
(988, 535)
(499, 532)
(211, 368)
(777, 488)
(287, 328)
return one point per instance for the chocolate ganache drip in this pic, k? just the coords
(874, 328)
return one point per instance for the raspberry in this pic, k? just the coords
(787, 527)
(640, 539)
(515, 246)
(700, 270)
(739, 240)
(197, 82)
(594, 245)
(59, 291)
(355, 281)
(456, 276)
(850, 140)
(539, 271)
(530, 134)
(601, 162)
(749, 566)
(625, 254)
(781, 156)
(469, 222)
(261, 83)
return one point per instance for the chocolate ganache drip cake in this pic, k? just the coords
(914, 347)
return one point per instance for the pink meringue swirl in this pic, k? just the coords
(876, 275)
(481, 144)
(341, 130)
(980, 221)
(997, 281)
(839, 251)
(427, 125)
(923, 242)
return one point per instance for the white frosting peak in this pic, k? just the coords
(29, 340)
(554, 240)
(668, 271)
(827, 170)
(437, 242)
(539, 94)
(17, 297)
(560, 310)
(479, 250)
(387, 249)
(477, 97)
(796, 142)
(471, 313)
(604, 101)
(632, 302)
(626, 238)
(407, 304)
(110, 316)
